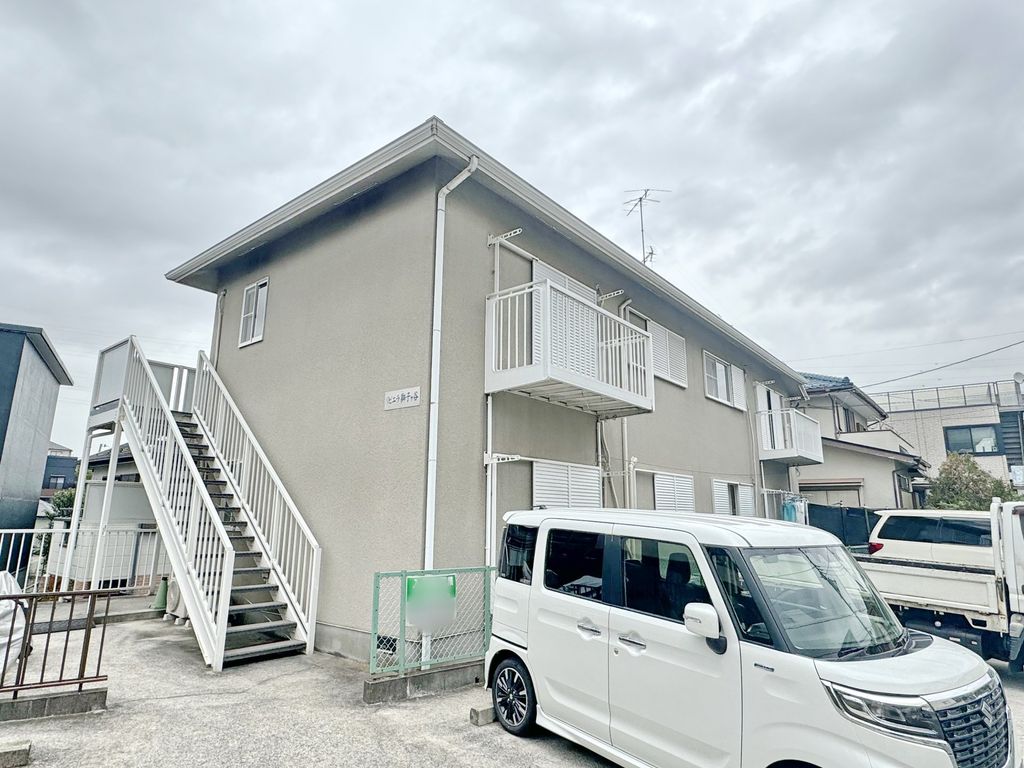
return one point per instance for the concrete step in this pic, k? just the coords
(249, 652)
(281, 625)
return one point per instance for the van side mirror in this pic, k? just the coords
(702, 620)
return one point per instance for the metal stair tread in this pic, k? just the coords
(263, 626)
(244, 588)
(265, 606)
(252, 570)
(264, 649)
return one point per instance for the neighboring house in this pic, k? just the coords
(60, 470)
(565, 372)
(866, 463)
(126, 472)
(984, 420)
(31, 374)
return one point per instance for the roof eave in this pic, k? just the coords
(434, 133)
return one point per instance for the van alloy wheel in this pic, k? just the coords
(511, 696)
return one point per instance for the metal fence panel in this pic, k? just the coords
(453, 625)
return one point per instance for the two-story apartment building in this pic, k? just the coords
(983, 419)
(425, 341)
(867, 463)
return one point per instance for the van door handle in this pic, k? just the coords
(590, 629)
(627, 640)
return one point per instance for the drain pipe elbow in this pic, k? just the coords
(430, 505)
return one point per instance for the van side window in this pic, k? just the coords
(517, 554)
(660, 578)
(965, 532)
(922, 529)
(751, 622)
(574, 563)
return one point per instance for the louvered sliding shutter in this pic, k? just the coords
(720, 497)
(669, 353)
(746, 500)
(573, 326)
(739, 387)
(566, 485)
(674, 493)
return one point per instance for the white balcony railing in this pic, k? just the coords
(544, 341)
(789, 436)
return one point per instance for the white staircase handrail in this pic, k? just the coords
(197, 544)
(290, 545)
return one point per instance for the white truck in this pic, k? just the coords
(958, 574)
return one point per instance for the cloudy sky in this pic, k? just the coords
(847, 179)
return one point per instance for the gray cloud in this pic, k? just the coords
(844, 177)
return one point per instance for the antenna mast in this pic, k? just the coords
(637, 204)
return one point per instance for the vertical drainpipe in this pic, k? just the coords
(430, 506)
(628, 494)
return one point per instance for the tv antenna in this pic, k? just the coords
(637, 204)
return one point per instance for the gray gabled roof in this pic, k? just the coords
(41, 342)
(434, 138)
(849, 393)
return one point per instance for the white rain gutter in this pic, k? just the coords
(435, 362)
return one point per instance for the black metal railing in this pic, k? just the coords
(52, 639)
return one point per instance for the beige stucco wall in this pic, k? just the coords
(925, 430)
(348, 318)
(874, 472)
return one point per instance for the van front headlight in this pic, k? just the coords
(901, 715)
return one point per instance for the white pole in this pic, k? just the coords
(108, 493)
(76, 511)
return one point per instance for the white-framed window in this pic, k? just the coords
(254, 312)
(674, 493)
(724, 382)
(669, 353)
(556, 484)
(729, 498)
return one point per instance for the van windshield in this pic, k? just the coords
(824, 603)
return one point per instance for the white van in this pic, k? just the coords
(700, 640)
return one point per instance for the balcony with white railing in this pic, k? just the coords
(546, 342)
(790, 437)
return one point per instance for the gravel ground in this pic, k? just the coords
(166, 709)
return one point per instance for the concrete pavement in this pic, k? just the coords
(166, 709)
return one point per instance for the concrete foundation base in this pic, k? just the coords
(379, 690)
(53, 705)
(14, 754)
(343, 641)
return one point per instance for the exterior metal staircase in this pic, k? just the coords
(244, 559)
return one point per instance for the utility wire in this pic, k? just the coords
(947, 365)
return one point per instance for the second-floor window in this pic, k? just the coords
(980, 439)
(724, 382)
(254, 312)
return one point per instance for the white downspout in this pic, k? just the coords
(490, 471)
(628, 481)
(435, 363)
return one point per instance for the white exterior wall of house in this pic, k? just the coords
(926, 430)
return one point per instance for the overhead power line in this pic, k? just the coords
(947, 365)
